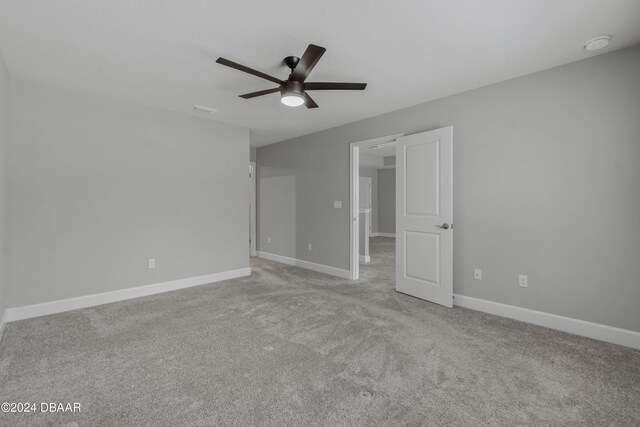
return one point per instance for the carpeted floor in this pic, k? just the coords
(288, 346)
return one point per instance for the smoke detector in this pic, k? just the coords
(597, 43)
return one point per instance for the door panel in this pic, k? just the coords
(422, 180)
(423, 252)
(424, 213)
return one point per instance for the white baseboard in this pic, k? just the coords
(365, 258)
(333, 271)
(58, 306)
(596, 331)
(391, 235)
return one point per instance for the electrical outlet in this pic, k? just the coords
(269, 240)
(477, 274)
(523, 281)
(152, 263)
(309, 246)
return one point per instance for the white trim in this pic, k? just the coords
(391, 235)
(365, 258)
(354, 221)
(354, 183)
(596, 331)
(252, 207)
(58, 306)
(333, 271)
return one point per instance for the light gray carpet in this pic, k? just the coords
(291, 347)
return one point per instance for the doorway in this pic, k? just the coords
(372, 199)
(423, 205)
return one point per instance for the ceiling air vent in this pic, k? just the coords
(203, 109)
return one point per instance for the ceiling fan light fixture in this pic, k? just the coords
(292, 100)
(292, 94)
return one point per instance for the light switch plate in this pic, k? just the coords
(523, 281)
(337, 204)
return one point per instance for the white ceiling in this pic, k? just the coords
(162, 52)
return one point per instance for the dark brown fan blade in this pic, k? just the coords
(309, 60)
(259, 93)
(237, 66)
(310, 103)
(334, 86)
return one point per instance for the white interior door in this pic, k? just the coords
(424, 214)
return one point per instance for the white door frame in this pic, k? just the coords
(252, 208)
(354, 226)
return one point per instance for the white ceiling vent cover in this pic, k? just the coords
(203, 109)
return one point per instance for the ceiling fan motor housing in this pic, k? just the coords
(292, 87)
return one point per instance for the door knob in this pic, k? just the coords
(445, 226)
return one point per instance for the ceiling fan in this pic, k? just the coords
(293, 91)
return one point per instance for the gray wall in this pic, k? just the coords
(387, 200)
(373, 174)
(277, 213)
(97, 187)
(362, 235)
(252, 154)
(311, 179)
(546, 173)
(4, 137)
